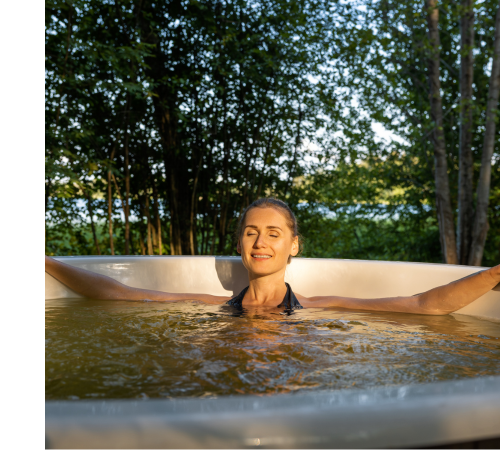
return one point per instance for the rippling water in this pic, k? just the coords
(103, 349)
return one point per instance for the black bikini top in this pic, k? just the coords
(289, 301)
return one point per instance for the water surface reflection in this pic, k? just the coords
(102, 349)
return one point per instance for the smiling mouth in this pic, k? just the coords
(261, 256)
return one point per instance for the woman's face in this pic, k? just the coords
(266, 241)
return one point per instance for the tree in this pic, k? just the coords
(399, 47)
(166, 119)
(443, 201)
(203, 105)
(481, 226)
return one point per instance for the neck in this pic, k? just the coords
(266, 290)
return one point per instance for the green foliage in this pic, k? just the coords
(216, 103)
(359, 237)
(382, 50)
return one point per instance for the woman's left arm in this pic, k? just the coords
(438, 301)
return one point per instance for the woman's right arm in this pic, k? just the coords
(437, 301)
(92, 285)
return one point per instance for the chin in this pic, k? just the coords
(260, 268)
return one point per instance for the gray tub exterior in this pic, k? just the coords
(436, 414)
(408, 416)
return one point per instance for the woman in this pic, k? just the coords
(267, 239)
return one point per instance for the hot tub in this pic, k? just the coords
(422, 414)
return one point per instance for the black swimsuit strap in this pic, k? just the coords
(289, 301)
(237, 301)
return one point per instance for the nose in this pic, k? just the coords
(260, 242)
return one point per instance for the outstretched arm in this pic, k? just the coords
(93, 285)
(438, 301)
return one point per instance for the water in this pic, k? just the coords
(103, 349)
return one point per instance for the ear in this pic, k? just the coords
(295, 246)
(238, 246)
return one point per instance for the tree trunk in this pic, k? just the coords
(157, 216)
(48, 185)
(480, 229)
(179, 206)
(126, 209)
(141, 243)
(192, 230)
(132, 246)
(153, 234)
(224, 189)
(443, 201)
(214, 234)
(465, 174)
(203, 234)
(166, 115)
(110, 208)
(148, 227)
(172, 249)
(110, 215)
(91, 214)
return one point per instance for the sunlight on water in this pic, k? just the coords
(102, 349)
